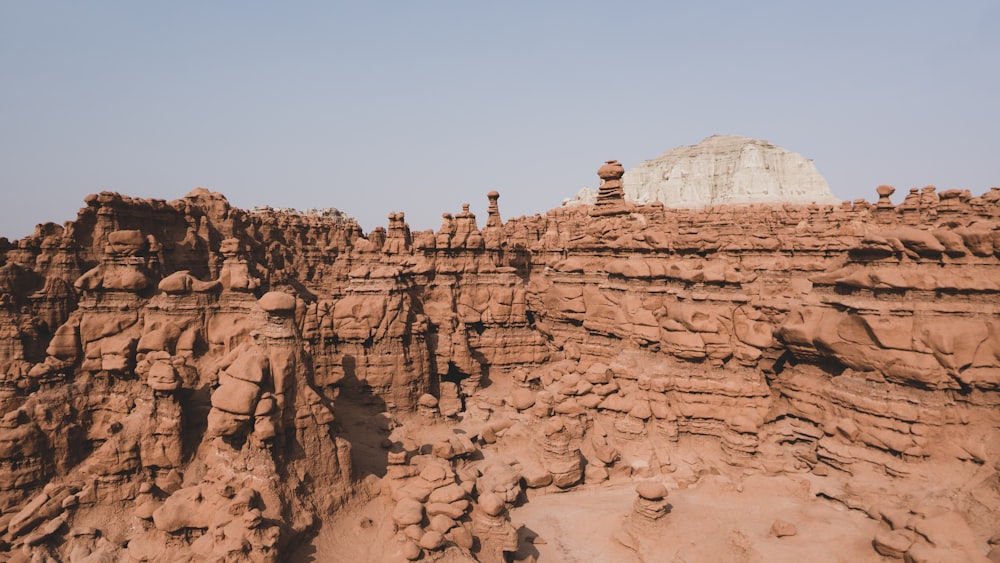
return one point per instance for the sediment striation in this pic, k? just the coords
(186, 380)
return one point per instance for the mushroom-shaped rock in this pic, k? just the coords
(651, 504)
(611, 170)
(884, 191)
(651, 490)
(277, 302)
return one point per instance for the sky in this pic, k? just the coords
(374, 107)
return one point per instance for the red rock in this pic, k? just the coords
(432, 540)
(461, 536)
(447, 494)
(407, 512)
(277, 302)
(650, 490)
(522, 399)
(892, 543)
(410, 551)
(855, 338)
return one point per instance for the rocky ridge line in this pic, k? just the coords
(174, 371)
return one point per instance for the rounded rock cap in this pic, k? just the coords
(277, 302)
(651, 490)
(491, 504)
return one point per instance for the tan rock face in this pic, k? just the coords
(722, 170)
(211, 370)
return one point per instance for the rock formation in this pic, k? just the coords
(610, 196)
(645, 519)
(185, 380)
(722, 170)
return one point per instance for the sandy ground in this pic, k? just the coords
(708, 522)
(726, 516)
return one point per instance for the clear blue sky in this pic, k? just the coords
(374, 107)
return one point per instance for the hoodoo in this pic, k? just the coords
(189, 381)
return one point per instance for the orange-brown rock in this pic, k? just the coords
(231, 378)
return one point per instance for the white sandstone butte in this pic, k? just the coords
(723, 170)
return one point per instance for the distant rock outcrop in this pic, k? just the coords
(723, 170)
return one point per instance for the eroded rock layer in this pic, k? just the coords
(173, 371)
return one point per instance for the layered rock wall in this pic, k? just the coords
(185, 359)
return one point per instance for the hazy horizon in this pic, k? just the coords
(421, 107)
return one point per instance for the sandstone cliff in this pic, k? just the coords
(186, 379)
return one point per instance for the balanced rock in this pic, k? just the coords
(277, 302)
(650, 490)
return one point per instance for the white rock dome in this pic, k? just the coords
(723, 170)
